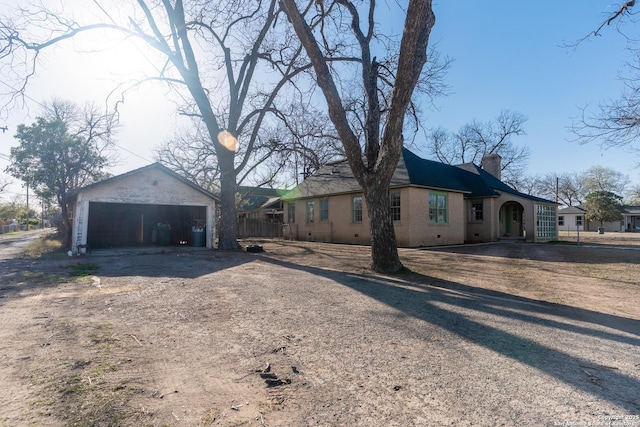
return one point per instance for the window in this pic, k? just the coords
(579, 220)
(324, 209)
(561, 220)
(356, 209)
(438, 208)
(292, 213)
(394, 197)
(476, 211)
(310, 211)
(546, 221)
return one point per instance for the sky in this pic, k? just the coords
(506, 56)
(514, 56)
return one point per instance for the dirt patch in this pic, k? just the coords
(303, 334)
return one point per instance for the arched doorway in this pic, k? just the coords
(511, 220)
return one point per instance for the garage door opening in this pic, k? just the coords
(126, 225)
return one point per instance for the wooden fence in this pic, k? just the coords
(253, 227)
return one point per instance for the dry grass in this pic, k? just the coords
(558, 273)
(50, 244)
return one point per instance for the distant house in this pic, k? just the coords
(432, 204)
(260, 203)
(150, 205)
(259, 211)
(572, 218)
(631, 218)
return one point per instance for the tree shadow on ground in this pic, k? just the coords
(22, 276)
(546, 252)
(447, 305)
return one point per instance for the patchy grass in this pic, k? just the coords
(84, 269)
(85, 389)
(50, 244)
(209, 417)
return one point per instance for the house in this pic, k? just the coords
(150, 205)
(260, 203)
(571, 218)
(259, 212)
(431, 204)
(631, 217)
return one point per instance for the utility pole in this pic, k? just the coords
(27, 206)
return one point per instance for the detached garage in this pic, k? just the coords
(148, 206)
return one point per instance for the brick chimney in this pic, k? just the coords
(492, 163)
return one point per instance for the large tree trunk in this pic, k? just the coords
(228, 239)
(66, 224)
(381, 156)
(384, 250)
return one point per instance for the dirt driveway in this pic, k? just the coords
(302, 334)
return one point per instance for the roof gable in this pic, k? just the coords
(571, 210)
(252, 198)
(145, 169)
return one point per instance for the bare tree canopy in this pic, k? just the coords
(624, 9)
(571, 189)
(633, 196)
(373, 137)
(614, 122)
(294, 147)
(475, 140)
(565, 188)
(227, 61)
(599, 178)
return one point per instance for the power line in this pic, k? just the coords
(14, 90)
(131, 152)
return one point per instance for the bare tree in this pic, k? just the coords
(372, 140)
(614, 122)
(309, 142)
(287, 150)
(216, 56)
(571, 189)
(566, 188)
(475, 140)
(528, 184)
(633, 196)
(191, 153)
(599, 178)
